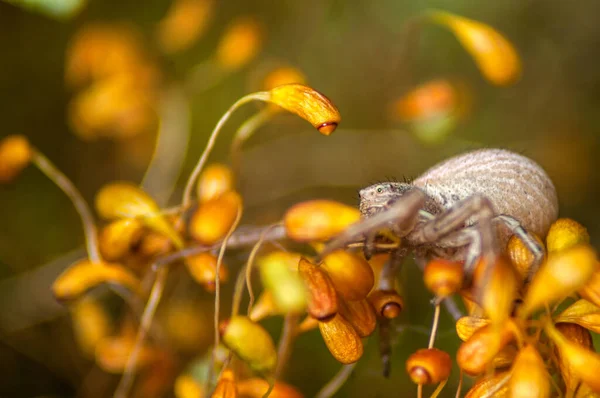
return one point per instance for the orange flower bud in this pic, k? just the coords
(479, 350)
(529, 375)
(309, 323)
(307, 103)
(427, 100)
(184, 23)
(520, 256)
(85, 275)
(591, 290)
(562, 274)
(213, 219)
(429, 366)
(256, 388)
(284, 75)
(341, 339)
(495, 56)
(500, 291)
(582, 363)
(241, 42)
(91, 324)
(118, 238)
(250, 342)
(286, 286)
(125, 200)
(579, 336)
(187, 387)
(565, 233)
(15, 155)
(583, 313)
(387, 303)
(215, 180)
(226, 386)
(467, 325)
(318, 220)
(443, 277)
(351, 275)
(361, 316)
(203, 268)
(322, 298)
(497, 382)
(112, 353)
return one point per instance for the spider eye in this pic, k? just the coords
(379, 190)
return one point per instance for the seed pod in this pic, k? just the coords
(286, 286)
(498, 295)
(443, 277)
(361, 316)
(125, 200)
(387, 303)
(213, 219)
(318, 220)
(309, 323)
(85, 275)
(579, 336)
(583, 313)
(496, 383)
(322, 298)
(562, 274)
(240, 44)
(250, 342)
(478, 351)
(203, 268)
(529, 375)
(495, 56)
(15, 155)
(520, 256)
(341, 339)
(467, 325)
(582, 363)
(256, 388)
(429, 366)
(565, 233)
(183, 24)
(91, 324)
(187, 387)
(283, 75)
(119, 237)
(351, 275)
(215, 180)
(591, 290)
(307, 103)
(226, 386)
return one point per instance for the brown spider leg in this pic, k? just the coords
(405, 208)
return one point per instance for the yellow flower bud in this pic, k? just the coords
(318, 220)
(579, 336)
(443, 277)
(203, 268)
(240, 44)
(283, 75)
(119, 237)
(322, 298)
(215, 180)
(583, 363)
(429, 366)
(187, 387)
(256, 388)
(361, 316)
(307, 103)
(498, 295)
(15, 155)
(226, 386)
(562, 274)
(286, 286)
(341, 339)
(112, 353)
(91, 324)
(467, 325)
(251, 343)
(479, 350)
(264, 307)
(497, 382)
(565, 233)
(85, 275)
(184, 23)
(290, 259)
(529, 375)
(351, 275)
(520, 256)
(495, 56)
(213, 219)
(387, 303)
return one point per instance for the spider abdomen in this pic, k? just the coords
(515, 185)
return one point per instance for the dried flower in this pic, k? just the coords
(203, 268)
(361, 316)
(318, 220)
(479, 350)
(351, 275)
(215, 180)
(467, 325)
(520, 256)
(322, 298)
(387, 303)
(529, 375)
(341, 339)
(119, 237)
(214, 218)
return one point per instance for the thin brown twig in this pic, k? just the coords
(434, 327)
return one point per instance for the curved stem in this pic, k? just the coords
(434, 327)
(336, 382)
(187, 193)
(290, 331)
(244, 132)
(459, 387)
(237, 292)
(89, 225)
(439, 389)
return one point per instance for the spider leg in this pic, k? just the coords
(399, 213)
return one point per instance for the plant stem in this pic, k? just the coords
(336, 382)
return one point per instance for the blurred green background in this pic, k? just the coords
(349, 50)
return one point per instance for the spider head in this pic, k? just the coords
(378, 197)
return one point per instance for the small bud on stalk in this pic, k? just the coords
(429, 366)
